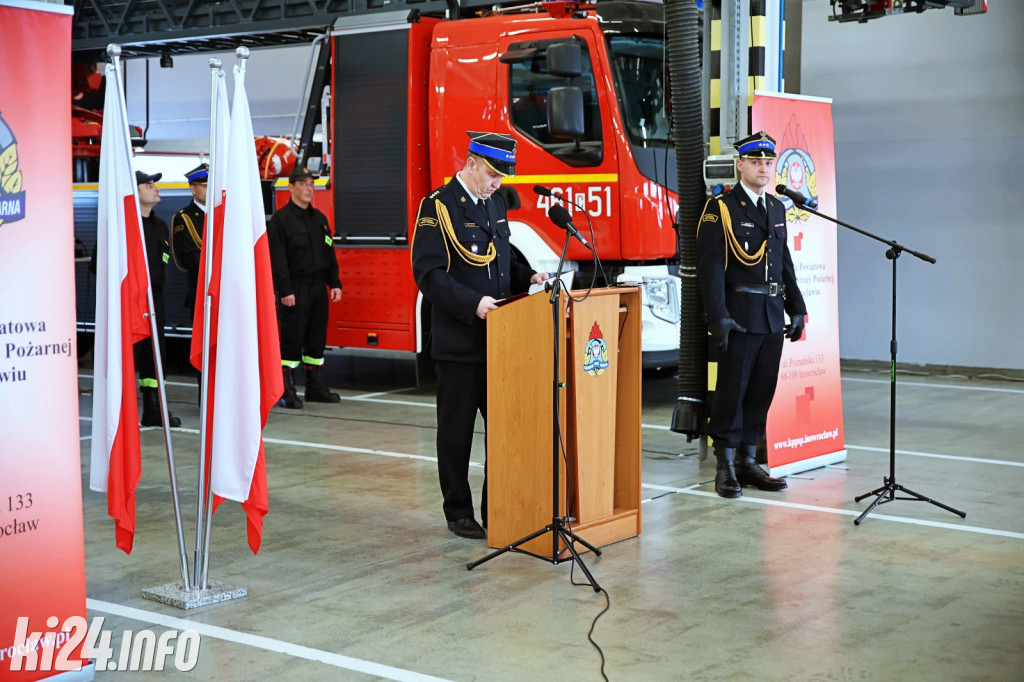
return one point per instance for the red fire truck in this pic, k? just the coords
(404, 89)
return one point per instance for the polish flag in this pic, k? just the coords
(122, 282)
(244, 368)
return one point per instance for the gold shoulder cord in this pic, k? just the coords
(192, 232)
(448, 230)
(733, 244)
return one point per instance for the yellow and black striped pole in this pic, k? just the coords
(756, 57)
(715, 78)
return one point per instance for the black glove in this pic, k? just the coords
(795, 329)
(720, 331)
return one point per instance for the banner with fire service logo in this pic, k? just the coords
(42, 553)
(805, 423)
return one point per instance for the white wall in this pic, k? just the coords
(179, 97)
(929, 128)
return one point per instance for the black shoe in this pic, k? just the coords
(750, 473)
(172, 420)
(754, 475)
(467, 528)
(321, 395)
(289, 399)
(726, 484)
(316, 391)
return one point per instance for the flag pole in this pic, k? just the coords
(114, 51)
(203, 497)
(242, 53)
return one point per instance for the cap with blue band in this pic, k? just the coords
(198, 175)
(497, 150)
(760, 145)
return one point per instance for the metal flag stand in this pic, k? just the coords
(204, 591)
(114, 52)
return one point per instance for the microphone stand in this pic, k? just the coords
(887, 492)
(559, 526)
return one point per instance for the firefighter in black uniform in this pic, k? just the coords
(187, 232)
(747, 283)
(158, 252)
(305, 273)
(463, 263)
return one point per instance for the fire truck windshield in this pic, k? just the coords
(638, 65)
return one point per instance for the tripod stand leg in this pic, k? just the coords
(577, 558)
(580, 540)
(876, 491)
(959, 513)
(508, 548)
(881, 493)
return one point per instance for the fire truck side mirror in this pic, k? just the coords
(565, 112)
(565, 60)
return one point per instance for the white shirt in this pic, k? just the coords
(754, 197)
(458, 176)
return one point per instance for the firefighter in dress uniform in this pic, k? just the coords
(305, 274)
(187, 227)
(187, 233)
(747, 282)
(463, 263)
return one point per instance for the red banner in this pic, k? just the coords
(42, 553)
(805, 423)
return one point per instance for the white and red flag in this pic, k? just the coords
(122, 282)
(244, 367)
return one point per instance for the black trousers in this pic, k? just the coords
(143, 350)
(304, 325)
(461, 392)
(747, 376)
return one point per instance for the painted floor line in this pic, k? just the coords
(901, 383)
(691, 490)
(912, 453)
(973, 460)
(257, 641)
(849, 512)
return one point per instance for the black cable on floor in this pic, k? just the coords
(593, 624)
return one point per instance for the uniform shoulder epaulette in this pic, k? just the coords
(437, 192)
(720, 195)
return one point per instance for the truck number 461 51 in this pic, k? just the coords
(595, 199)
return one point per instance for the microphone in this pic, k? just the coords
(545, 192)
(796, 197)
(560, 217)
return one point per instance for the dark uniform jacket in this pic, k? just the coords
(158, 249)
(187, 241)
(301, 249)
(718, 270)
(455, 287)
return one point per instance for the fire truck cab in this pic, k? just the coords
(583, 91)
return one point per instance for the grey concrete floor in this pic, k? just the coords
(359, 579)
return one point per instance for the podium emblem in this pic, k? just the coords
(595, 353)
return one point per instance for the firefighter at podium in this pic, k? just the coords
(748, 283)
(463, 263)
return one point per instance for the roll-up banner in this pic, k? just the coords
(42, 552)
(805, 423)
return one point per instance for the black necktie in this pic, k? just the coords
(762, 209)
(483, 209)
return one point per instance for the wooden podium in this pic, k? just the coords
(599, 371)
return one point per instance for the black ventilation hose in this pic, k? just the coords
(682, 36)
